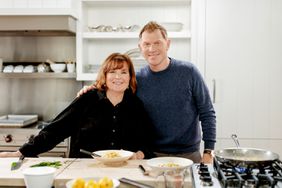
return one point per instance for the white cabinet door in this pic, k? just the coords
(242, 54)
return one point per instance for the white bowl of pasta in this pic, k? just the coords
(113, 156)
(169, 163)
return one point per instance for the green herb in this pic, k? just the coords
(55, 164)
(14, 164)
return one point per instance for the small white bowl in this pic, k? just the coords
(35, 177)
(162, 164)
(58, 67)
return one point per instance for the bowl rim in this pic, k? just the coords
(155, 162)
(38, 171)
(125, 155)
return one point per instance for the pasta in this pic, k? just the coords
(111, 154)
(170, 164)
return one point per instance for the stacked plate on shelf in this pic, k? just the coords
(138, 61)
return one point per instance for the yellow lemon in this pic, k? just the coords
(106, 182)
(91, 184)
(78, 183)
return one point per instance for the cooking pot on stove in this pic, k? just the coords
(245, 157)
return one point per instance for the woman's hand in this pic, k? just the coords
(85, 89)
(138, 155)
(10, 154)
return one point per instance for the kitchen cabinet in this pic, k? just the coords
(241, 54)
(94, 46)
(11, 139)
(38, 7)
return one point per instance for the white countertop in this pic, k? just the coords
(74, 168)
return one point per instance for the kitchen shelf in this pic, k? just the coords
(39, 75)
(93, 46)
(134, 2)
(129, 35)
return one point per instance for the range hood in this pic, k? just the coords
(33, 25)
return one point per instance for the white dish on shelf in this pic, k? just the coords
(58, 67)
(29, 69)
(8, 68)
(172, 26)
(18, 68)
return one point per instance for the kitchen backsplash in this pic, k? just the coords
(45, 97)
(37, 49)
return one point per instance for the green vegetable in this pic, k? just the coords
(14, 164)
(55, 164)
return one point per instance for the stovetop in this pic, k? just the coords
(220, 175)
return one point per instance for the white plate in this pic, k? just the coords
(124, 156)
(69, 183)
(172, 26)
(161, 163)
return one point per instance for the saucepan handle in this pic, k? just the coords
(235, 138)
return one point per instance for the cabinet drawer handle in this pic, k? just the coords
(8, 138)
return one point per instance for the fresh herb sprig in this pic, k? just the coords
(55, 164)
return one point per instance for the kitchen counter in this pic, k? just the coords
(15, 178)
(74, 168)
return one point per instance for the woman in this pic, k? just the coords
(108, 117)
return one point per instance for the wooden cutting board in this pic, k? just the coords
(15, 178)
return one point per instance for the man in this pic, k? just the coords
(176, 98)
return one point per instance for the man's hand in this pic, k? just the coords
(137, 155)
(207, 156)
(85, 89)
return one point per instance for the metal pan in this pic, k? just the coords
(245, 157)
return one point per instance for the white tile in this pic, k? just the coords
(20, 4)
(35, 3)
(63, 3)
(49, 3)
(6, 3)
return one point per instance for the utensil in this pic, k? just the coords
(144, 171)
(18, 164)
(245, 157)
(89, 153)
(134, 183)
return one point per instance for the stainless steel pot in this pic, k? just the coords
(245, 157)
